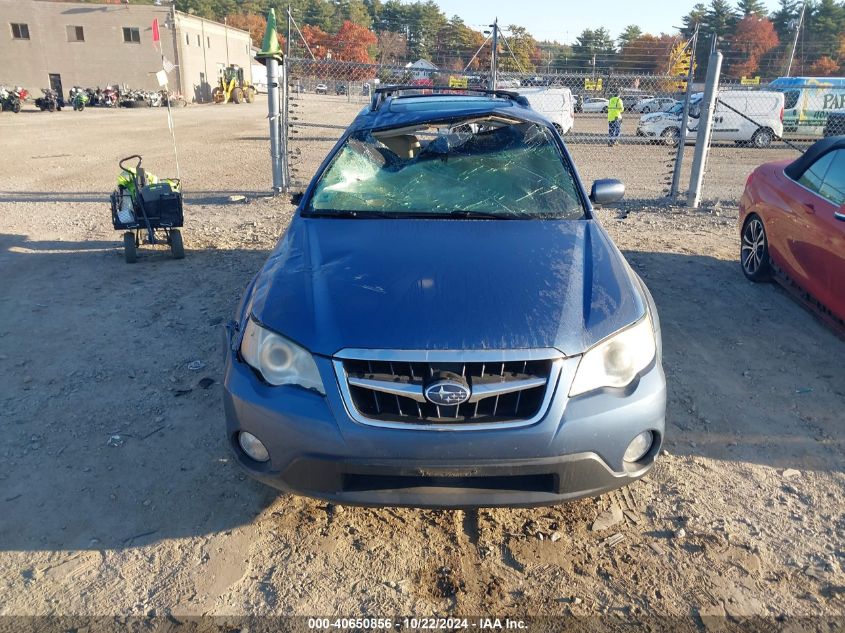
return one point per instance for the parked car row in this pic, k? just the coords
(741, 116)
(632, 103)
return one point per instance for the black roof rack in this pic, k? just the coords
(380, 95)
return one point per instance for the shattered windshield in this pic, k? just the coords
(479, 167)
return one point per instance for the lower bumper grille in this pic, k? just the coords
(392, 391)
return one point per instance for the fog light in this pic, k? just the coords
(638, 447)
(254, 448)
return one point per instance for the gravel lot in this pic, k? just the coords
(118, 497)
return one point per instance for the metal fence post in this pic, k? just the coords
(271, 53)
(275, 128)
(702, 140)
(679, 157)
(283, 128)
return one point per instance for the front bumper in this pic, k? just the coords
(316, 449)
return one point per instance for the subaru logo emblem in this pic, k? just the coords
(447, 393)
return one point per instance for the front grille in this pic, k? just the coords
(517, 390)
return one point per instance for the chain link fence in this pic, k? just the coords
(324, 96)
(751, 125)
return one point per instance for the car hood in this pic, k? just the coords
(332, 284)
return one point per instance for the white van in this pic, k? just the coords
(555, 103)
(259, 78)
(763, 108)
(808, 101)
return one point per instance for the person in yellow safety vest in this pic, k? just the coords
(614, 120)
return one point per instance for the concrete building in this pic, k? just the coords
(62, 44)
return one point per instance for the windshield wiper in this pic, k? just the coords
(366, 215)
(483, 215)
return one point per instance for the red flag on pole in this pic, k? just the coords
(156, 36)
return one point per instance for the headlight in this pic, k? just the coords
(616, 361)
(278, 360)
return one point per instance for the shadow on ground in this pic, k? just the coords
(110, 386)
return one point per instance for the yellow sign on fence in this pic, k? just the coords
(458, 82)
(750, 81)
(592, 84)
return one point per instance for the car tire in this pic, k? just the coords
(646, 110)
(670, 136)
(130, 253)
(237, 95)
(762, 138)
(177, 248)
(604, 110)
(754, 250)
(559, 128)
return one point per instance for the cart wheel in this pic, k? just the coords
(129, 251)
(176, 246)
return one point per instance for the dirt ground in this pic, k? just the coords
(118, 496)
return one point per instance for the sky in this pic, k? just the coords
(563, 20)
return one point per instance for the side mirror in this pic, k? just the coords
(607, 191)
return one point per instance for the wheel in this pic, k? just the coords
(237, 95)
(646, 110)
(16, 108)
(130, 253)
(81, 107)
(217, 95)
(249, 95)
(51, 107)
(754, 251)
(559, 128)
(604, 110)
(762, 138)
(670, 136)
(176, 246)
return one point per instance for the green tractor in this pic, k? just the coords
(231, 86)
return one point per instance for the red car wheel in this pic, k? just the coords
(754, 252)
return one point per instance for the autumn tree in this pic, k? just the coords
(824, 66)
(319, 42)
(753, 37)
(647, 54)
(254, 24)
(353, 43)
(519, 50)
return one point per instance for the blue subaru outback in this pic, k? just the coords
(444, 323)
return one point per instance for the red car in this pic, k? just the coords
(792, 226)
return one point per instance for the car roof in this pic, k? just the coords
(398, 110)
(818, 149)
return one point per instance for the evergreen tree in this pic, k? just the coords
(631, 33)
(751, 7)
(593, 45)
(785, 19)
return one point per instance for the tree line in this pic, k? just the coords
(753, 41)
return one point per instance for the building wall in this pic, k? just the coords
(104, 57)
(206, 48)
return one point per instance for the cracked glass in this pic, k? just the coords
(476, 167)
